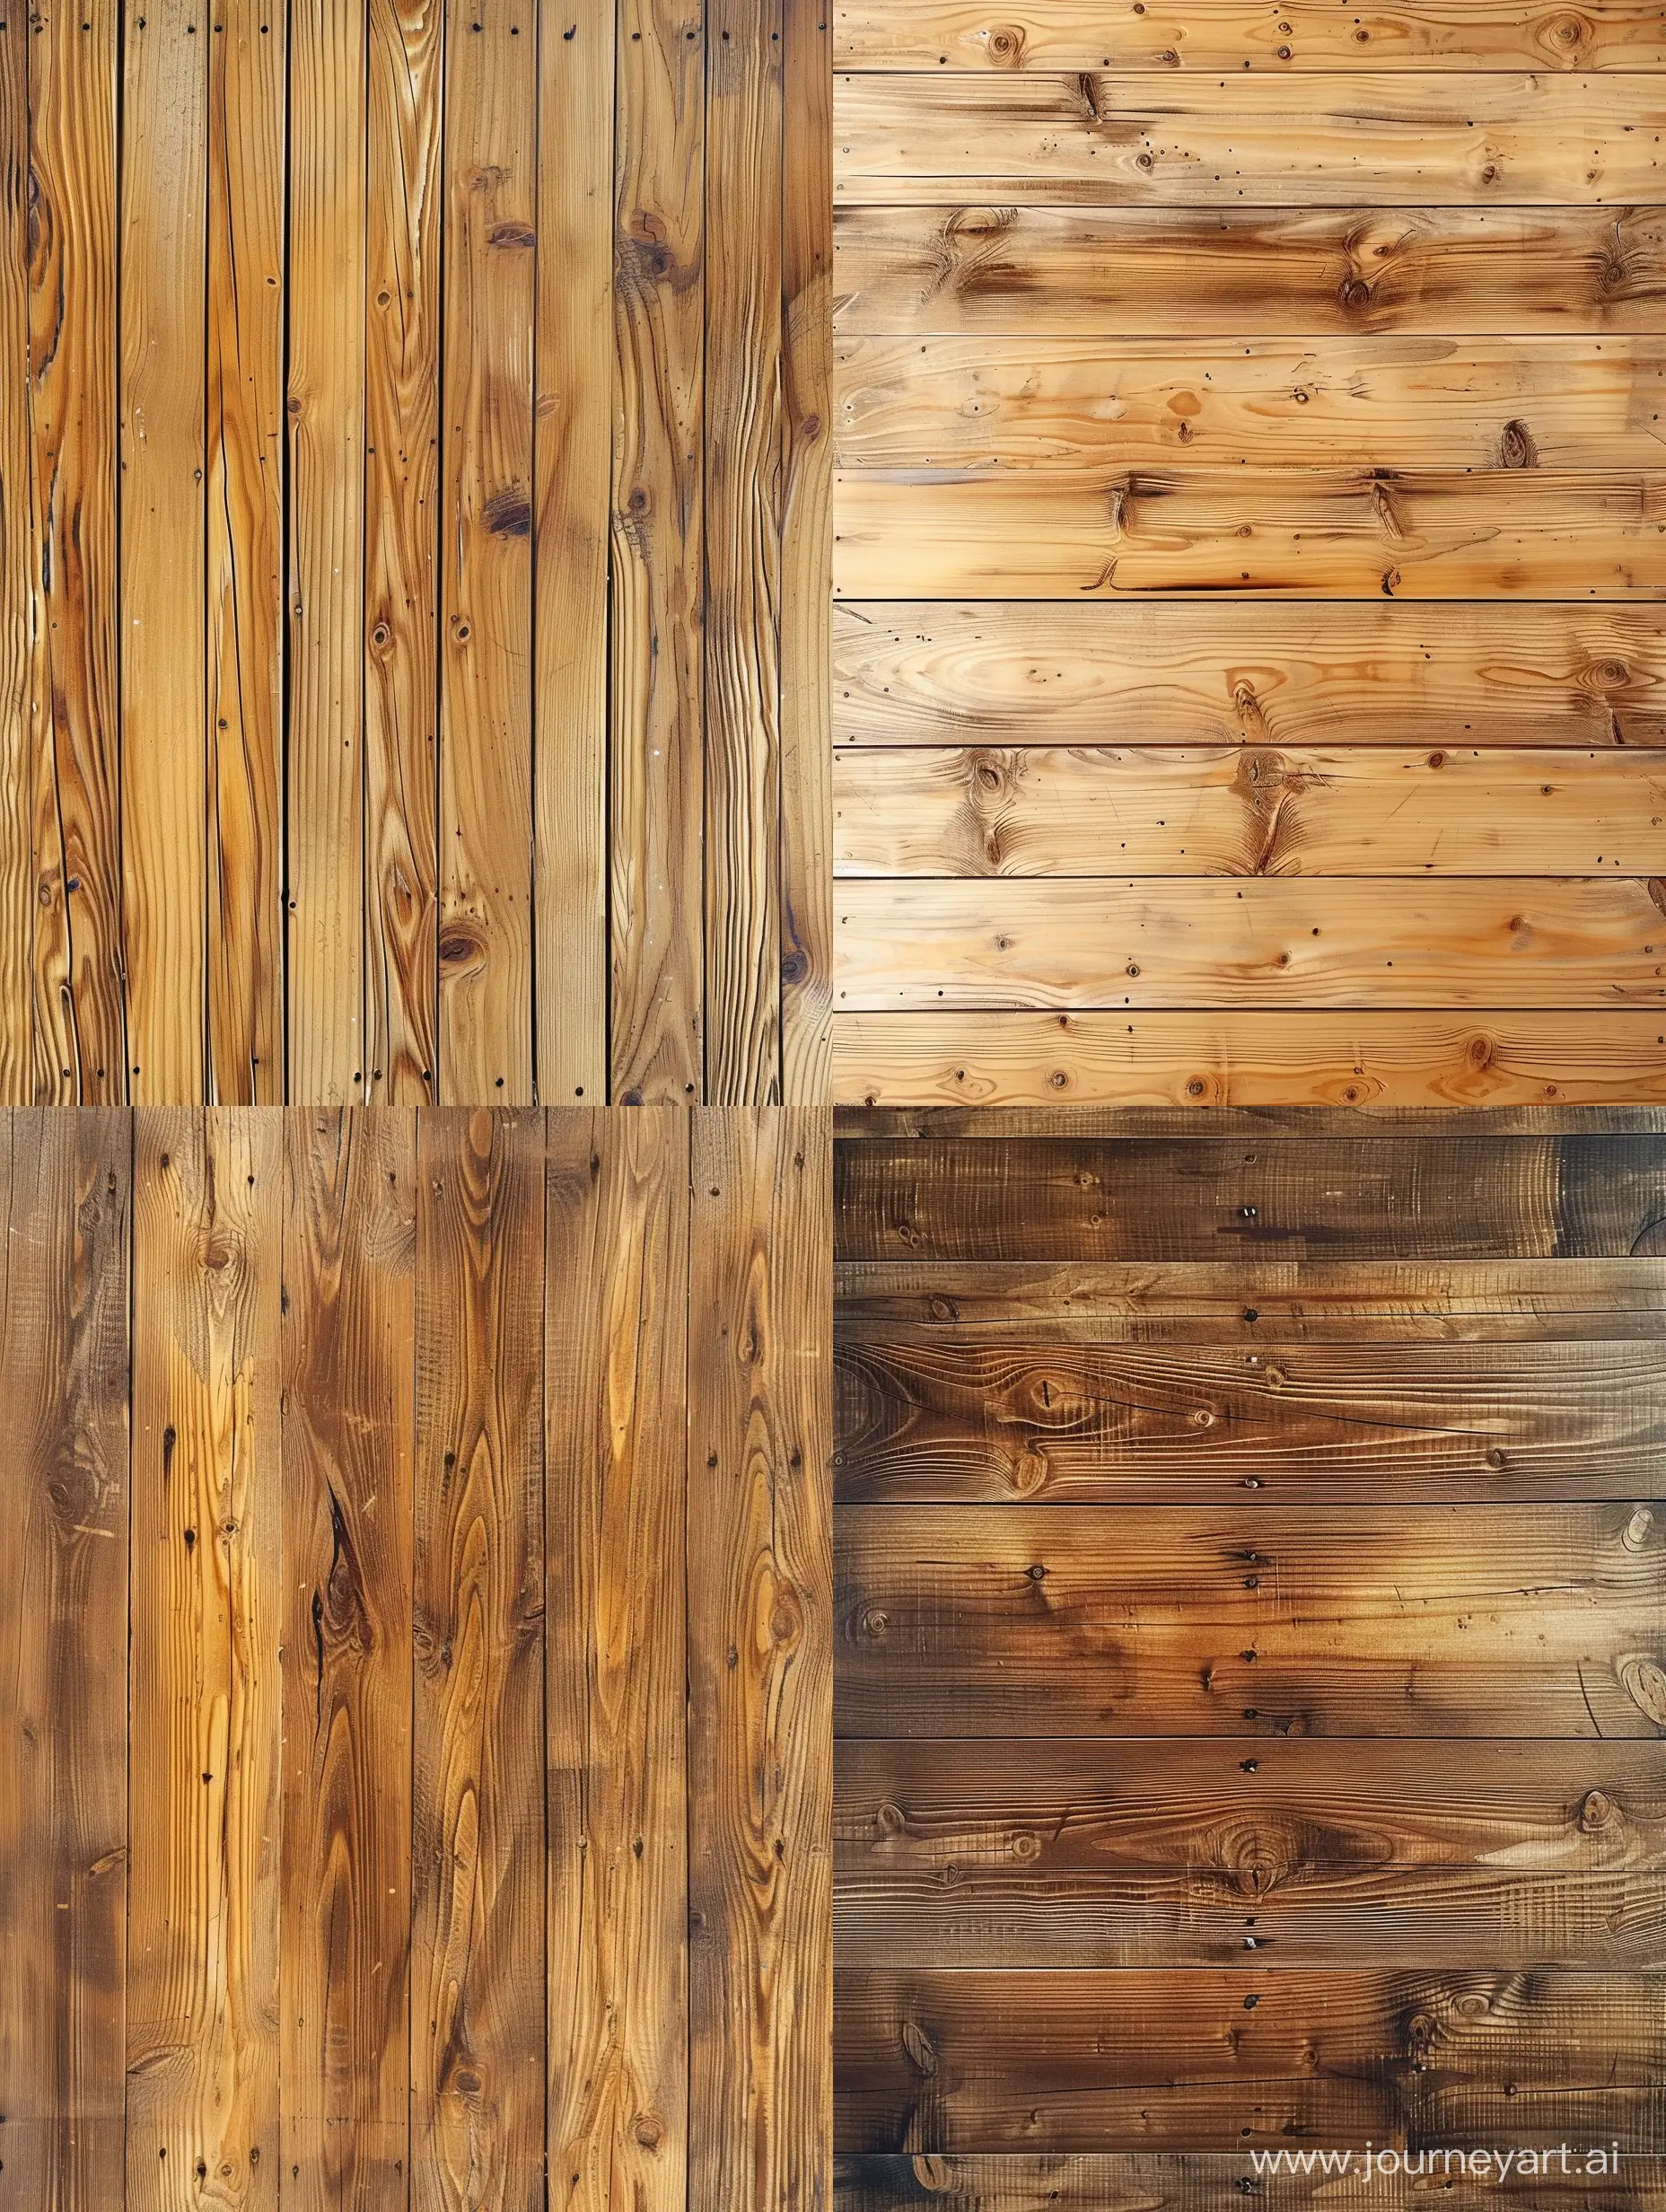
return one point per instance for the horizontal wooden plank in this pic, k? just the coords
(1215, 2059)
(1252, 1301)
(1267, 941)
(1234, 1060)
(980, 1199)
(1249, 34)
(1414, 138)
(922, 1416)
(1161, 672)
(1205, 2182)
(1518, 533)
(1220, 272)
(1251, 1620)
(1310, 1853)
(986, 399)
(1247, 810)
(854, 1124)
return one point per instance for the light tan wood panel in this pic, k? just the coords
(1416, 140)
(1249, 34)
(1379, 403)
(927, 674)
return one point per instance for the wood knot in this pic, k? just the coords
(918, 2046)
(1644, 1680)
(1596, 1810)
(508, 513)
(1006, 42)
(1516, 448)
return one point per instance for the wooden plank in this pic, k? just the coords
(1251, 1620)
(1059, 1199)
(1249, 34)
(18, 570)
(164, 798)
(1312, 1854)
(1509, 533)
(1112, 139)
(656, 789)
(1219, 272)
(486, 584)
(806, 949)
(573, 430)
(1241, 1302)
(985, 399)
(347, 1341)
(1365, 1060)
(478, 1956)
(64, 1190)
(1165, 674)
(403, 219)
(1258, 1121)
(760, 1678)
(927, 1416)
(616, 1393)
(1484, 942)
(81, 1056)
(741, 496)
(325, 493)
(206, 1609)
(1147, 2060)
(248, 277)
(1247, 810)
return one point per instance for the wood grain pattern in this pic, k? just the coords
(1419, 139)
(18, 648)
(761, 1683)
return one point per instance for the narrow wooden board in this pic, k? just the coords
(1418, 139)
(656, 807)
(861, 1122)
(616, 1393)
(1161, 672)
(404, 206)
(1481, 942)
(1248, 809)
(1249, 34)
(1308, 1854)
(1146, 2060)
(19, 649)
(1314, 1062)
(162, 630)
(1221, 272)
(204, 1774)
(975, 1199)
(247, 281)
(573, 497)
(927, 1416)
(64, 1193)
(988, 400)
(761, 1677)
(1342, 534)
(477, 1937)
(1251, 1620)
(348, 1238)
(1243, 1302)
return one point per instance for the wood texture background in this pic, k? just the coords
(1179, 352)
(1249, 1604)
(415, 455)
(414, 1779)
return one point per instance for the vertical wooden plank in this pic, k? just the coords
(80, 1044)
(807, 559)
(761, 1659)
(573, 474)
(204, 1681)
(164, 803)
(326, 407)
(616, 1326)
(485, 673)
(348, 1341)
(656, 806)
(401, 532)
(478, 1853)
(247, 277)
(742, 507)
(63, 1609)
(17, 919)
